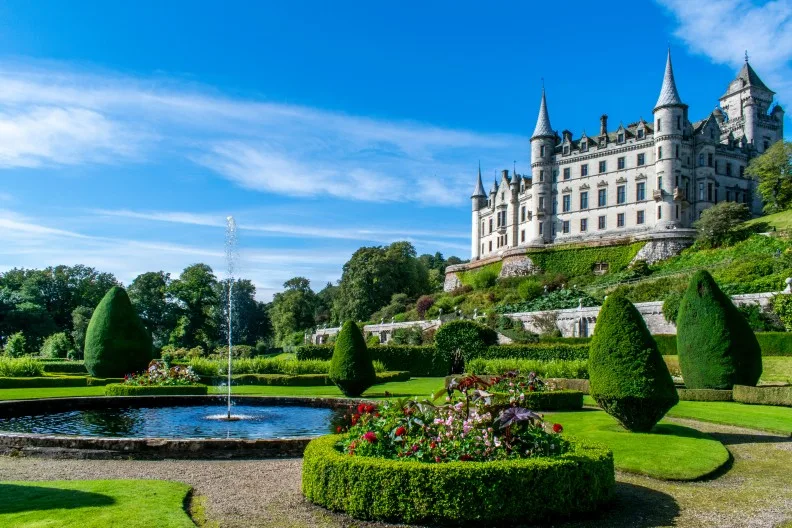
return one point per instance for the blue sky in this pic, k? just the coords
(129, 130)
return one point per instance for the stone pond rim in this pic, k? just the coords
(95, 447)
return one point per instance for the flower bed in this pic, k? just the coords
(123, 389)
(522, 490)
(530, 391)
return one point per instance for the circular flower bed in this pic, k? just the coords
(411, 461)
(158, 379)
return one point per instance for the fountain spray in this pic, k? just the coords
(231, 258)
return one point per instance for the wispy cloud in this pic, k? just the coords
(724, 29)
(51, 115)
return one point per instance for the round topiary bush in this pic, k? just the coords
(716, 346)
(351, 368)
(576, 482)
(116, 343)
(627, 375)
(462, 340)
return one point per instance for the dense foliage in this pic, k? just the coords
(722, 225)
(56, 346)
(773, 170)
(628, 377)
(116, 342)
(462, 340)
(351, 368)
(717, 349)
(22, 367)
(160, 374)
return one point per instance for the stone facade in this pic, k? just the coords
(641, 180)
(662, 248)
(517, 266)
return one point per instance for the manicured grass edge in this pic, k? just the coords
(121, 389)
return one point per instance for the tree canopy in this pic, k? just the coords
(722, 224)
(773, 171)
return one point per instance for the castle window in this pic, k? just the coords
(620, 220)
(677, 212)
(541, 203)
(659, 153)
(522, 214)
(490, 246)
(555, 206)
(766, 145)
(641, 159)
(601, 222)
(541, 227)
(639, 217)
(555, 175)
(542, 151)
(482, 228)
(640, 191)
(640, 133)
(710, 188)
(584, 200)
(679, 122)
(566, 204)
(567, 173)
(709, 160)
(553, 229)
(583, 225)
(659, 124)
(602, 197)
(620, 194)
(482, 248)
(603, 166)
(583, 145)
(584, 169)
(728, 169)
(541, 175)
(490, 225)
(503, 196)
(660, 182)
(620, 137)
(701, 159)
(522, 235)
(566, 149)
(565, 226)
(676, 151)
(620, 162)
(712, 133)
(659, 212)
(701, 191)
(742, 171)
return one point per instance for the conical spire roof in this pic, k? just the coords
(543, 127)
(479, 190)
(668, 93)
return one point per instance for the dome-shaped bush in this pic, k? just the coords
(462, 340)
(717, 348)
(628, 377)
(116, 342)
(351, 368)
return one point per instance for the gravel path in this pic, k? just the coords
(755, 492)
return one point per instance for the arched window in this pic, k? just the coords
(701, 159)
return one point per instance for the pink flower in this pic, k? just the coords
(370, 437)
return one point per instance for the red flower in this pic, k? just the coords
(361, 408)
(370, 408)
(465, 457)
(370, 437)
(437, 459)
(401, 431)
(432, 445)
(338, 429)
(557, 428)
(531, 388)
(415, 448)
(355, 418)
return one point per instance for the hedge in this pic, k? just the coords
(420, 360)
(559, 400)
(772, 343)
(556, 368)
(706, 395)
(54, 381)
(763, 395)
(302, 380)
(540, 351)
(577, 482)
(65, 367)
(122, 389)
(666, 344)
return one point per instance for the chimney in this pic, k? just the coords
(603, 125)
(567, 135)
(505, 173)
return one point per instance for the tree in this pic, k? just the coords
(56, 346)
(773, 171)
(81, 317)
(116, 343)
(293, 309)
(250, 321)
(16, 346)
(717, 348)
(351, 368)
(457, 342)
(324, 304)
(195, 292)
(150, 295)
(628, 377)
(722, 224)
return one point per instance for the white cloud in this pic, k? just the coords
(49, 114)
(724, 29)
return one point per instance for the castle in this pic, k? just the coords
(643, 181)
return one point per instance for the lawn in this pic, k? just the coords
(782, 220)
(669, 452)
(763, 417)
(94, 504)
(777, 368)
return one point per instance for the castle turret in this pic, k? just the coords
(479, 199)
(670, 115)
(542, 146)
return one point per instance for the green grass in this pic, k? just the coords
(669, 452)
(762, 417)
(777, 368)
(94, 504)
(54, 392)
(782, 220)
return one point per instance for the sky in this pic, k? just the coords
(129, 131)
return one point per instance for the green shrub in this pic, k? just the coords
(775, 343)
(555, 368)
(16, 346)
(717, 349)
(20, 367)
(579, 481)
(483, 277)
(627, 375)
(116, 342)
(704, 395)
(207, 367)
(671, 306)
(64, 367)
(544, 351)
(530, 289)
(314, 352)
(56, 346)
(122, 389)
(237, 351)
(462, 340)
(763, 395)
(419, 360)
(666, 344)
(782, 307)
(351, 368)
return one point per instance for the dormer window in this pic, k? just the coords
(640, 133)
(566, 149)
(620, 137)
(583, 146)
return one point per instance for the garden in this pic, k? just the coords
(623, 429)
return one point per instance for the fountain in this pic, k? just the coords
(231, 260)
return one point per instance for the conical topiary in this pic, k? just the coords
(116, 342)
(716, 346)
(351, 368)
(628, 377)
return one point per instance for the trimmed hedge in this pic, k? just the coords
(666, 344)
(577, 482)
(463, 340)
(581, 385)
(420, 360)
(763, 395)
(302, 380)
(122, 389)
(706, 395)
(65, 367)
(775, 343)
(54, 381)
(538, 351)
(558, 400)
(351, 367)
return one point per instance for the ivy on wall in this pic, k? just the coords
(574, 260)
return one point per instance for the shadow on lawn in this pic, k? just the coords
(17, 499)
(634, 507)
(748, 438)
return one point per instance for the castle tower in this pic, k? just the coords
(670, 115)
(542, 147)
(479, 199)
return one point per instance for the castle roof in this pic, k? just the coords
(668, 92)
(747, 78)
(478, 192)
(543, 127)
